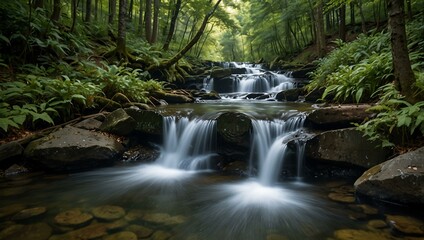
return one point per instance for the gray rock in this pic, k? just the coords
(89, 124)
(148, 122)
(9, 150)
(289, 95)
(73, 149)
(345, 146)
(118, 122)
(340, 116)
(234, 128)
(220, 73)
(400, 179)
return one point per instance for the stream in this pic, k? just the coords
(181, 195)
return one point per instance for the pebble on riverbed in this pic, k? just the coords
(406, 225)
(37, 231)
(73, 218)
(121, 236)
(108, 212)
(29, 213)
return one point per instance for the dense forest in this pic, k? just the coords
(62, 59)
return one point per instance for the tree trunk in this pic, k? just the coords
(172, 25)
(148, 21)
(352, 14)
(88, 11)
(320, 32)
(180, 54)
(409, 8)
(130, 10)
(404, 76)
(56, 11)
(155, 28)
(112, 11)
(38, 4)
(121, 41)
(74, 6)
(361, 13)
(96, 10)
(342, 23)
(140, 18)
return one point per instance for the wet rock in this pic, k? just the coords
(73, 218)
(397, 180)
(224, 85)
(354, 234)
(406, 225)
(238, 70)
(237, 167)
(148, 122)
(108, 212)
(220, 73)
(140, 231)
(346, 146)
(93, 231)
(161, 235)
(89, 124)
(376, 224)
(290, 95)
(234, 128)
(37, 231)
(342, 197)
(29, 213)
(274, 236)
(340, 116)
(15, 169)
(9, 150)
(213, 95)
(364, 208)
(118, 122)
(253, 95)
(11, 209)
(8, 192)
(134, 215)
(140, 153)
(122, 236)
(174, 97)
(163, 218)
(73, 149)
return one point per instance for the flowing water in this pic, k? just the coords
(180, 197)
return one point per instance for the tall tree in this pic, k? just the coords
(87, 11)
(121, 40)
(74, 6)
(319, 28)
(404, 76)
(171, 30)
(148, 21)
(112, 11)
(193, 41)
(342, 22)
(56, 11)
(155, 28)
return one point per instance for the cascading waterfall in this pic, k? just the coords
(269, 146)
(265, 82)
(189, 144)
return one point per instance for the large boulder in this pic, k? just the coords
(400, 179)
(8, 151)
(339, 116)
(221, 73)
(73, 149)
(234, 128)
(345, 146)
(118, 122)
(224, 85)
(147, 122)
(290, 94)
(173, 97)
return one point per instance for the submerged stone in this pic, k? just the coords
(121, 236)
(93, 231)
(342, 197)
(163, 218)
(376, 224)
(37, 231)
(406, 225)
(108, 212)
(29, 213)
(11, 209)
(354, 234)
(140, 231)
(72, 218)
(161, 235)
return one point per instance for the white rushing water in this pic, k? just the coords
(188, 144)
(269, 146)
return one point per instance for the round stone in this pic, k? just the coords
(140, 231)
(122, 236)
(376, 224)
(73, 217)
(11, 209)
(29, 213)
(354, 234)
(342, 197)
(37, 231)
(108, 212)
(407, 225)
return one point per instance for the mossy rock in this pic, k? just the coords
(37, 231)
(29, 213)
(108, 212)
(234, 127)
(148, 122)
(118, 122)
